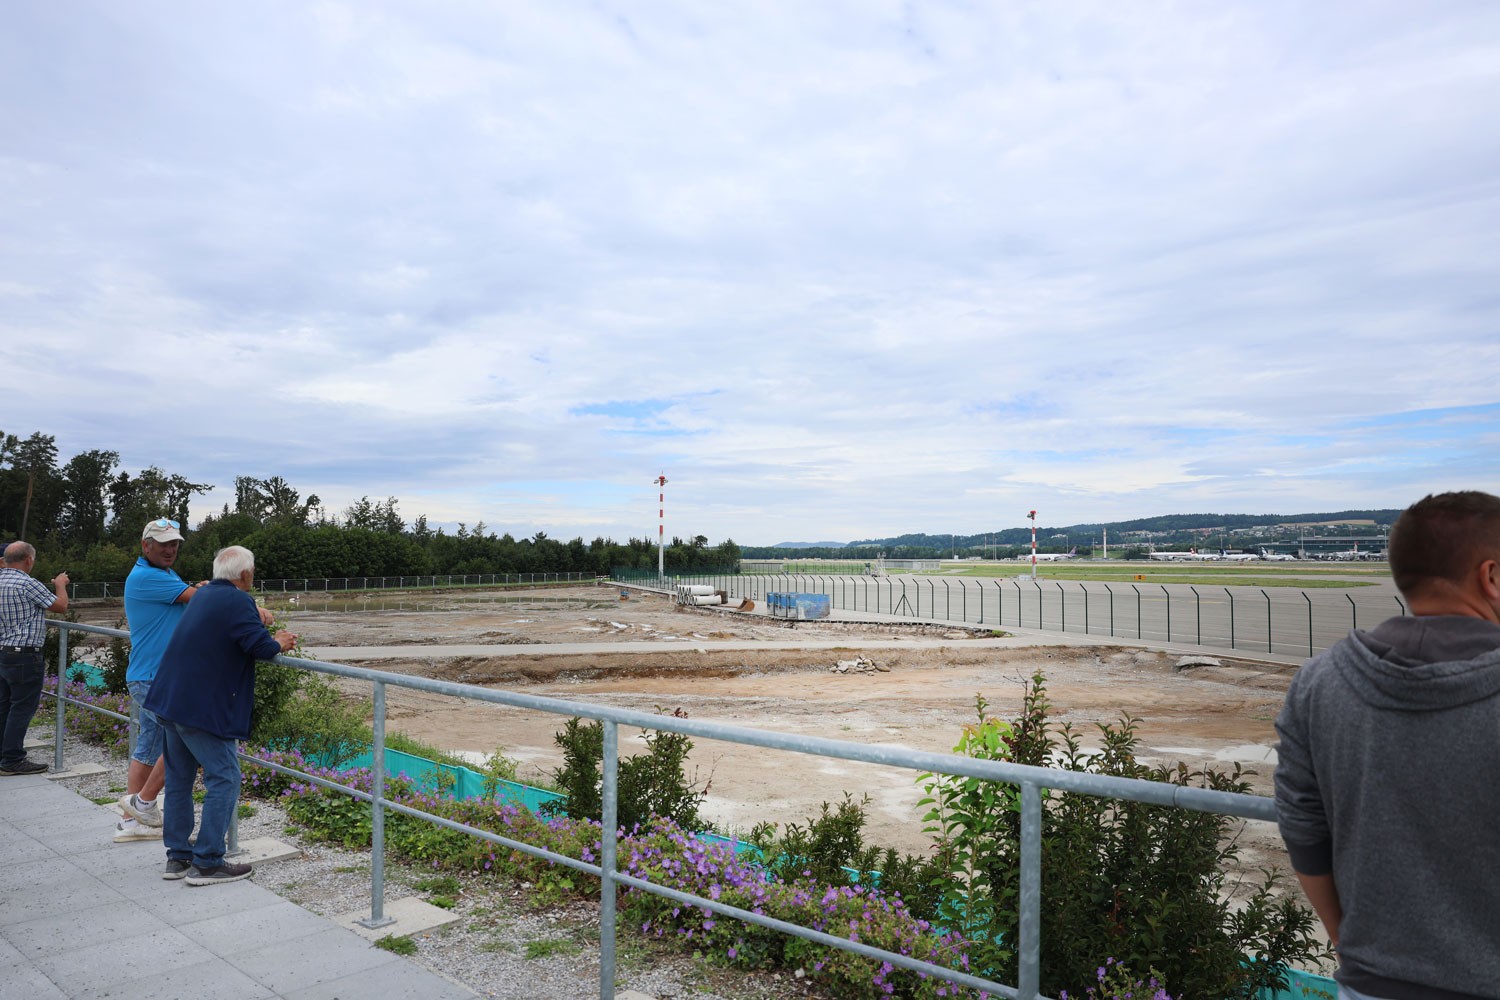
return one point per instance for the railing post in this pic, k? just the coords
(59, 728)
(1031, 891)
(608, 823)
(377, 916)
(1268, 619)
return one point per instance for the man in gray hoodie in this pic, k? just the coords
(1388, 779)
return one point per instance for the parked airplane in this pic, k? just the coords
(1236, 556)
(1188, 556)
(1051, 556)
(1277, 556)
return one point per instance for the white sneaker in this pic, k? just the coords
(137, 831)
(149, 815)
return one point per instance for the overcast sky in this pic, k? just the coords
(838, 270)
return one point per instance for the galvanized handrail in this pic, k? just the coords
(1031, 780)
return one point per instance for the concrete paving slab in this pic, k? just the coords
(264, 851)
(311, 959)
(249, 930)
(106, 921)
(200, 981)
(390, 982)
(411, 915)
(112, 961)
(76, 771)
(96, 920)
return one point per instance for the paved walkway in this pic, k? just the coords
(81, 917)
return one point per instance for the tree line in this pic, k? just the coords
(85, 515)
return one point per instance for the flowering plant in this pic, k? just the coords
(1116, 982)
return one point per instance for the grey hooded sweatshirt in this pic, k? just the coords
(1388, 777)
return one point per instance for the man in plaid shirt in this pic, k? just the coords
(24, 604)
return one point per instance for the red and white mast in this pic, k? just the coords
(661, 527)
(1032, 515)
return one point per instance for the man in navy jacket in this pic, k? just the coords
(203, 693)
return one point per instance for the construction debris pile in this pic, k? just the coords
(861, 665)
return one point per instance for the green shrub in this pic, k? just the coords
(651, 784)
(1123, 879)
(313, 717)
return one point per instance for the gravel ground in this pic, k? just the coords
(487, 949)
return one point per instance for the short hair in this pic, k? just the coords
(18, 552)
(1442, 537)
(231, 562)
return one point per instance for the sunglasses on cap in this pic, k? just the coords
(166, 522)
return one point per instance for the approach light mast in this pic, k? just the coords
(661, 528)
(1032, 515)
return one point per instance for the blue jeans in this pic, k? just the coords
(148, 734)
(187, 749)
(20, 691)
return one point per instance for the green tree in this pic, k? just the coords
(85, 498)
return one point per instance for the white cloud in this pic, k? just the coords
(880, 264)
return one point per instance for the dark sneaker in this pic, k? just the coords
(24, 767)
(223, 873)
(176, 869)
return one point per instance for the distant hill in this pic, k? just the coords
(1237, 530)
(807, 545)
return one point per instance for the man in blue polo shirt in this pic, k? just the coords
(155, 598)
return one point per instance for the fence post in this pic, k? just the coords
(377, 916)
(1062, 603)
(1137, 610)
(1111, 591)
(947, 601)
(1168, 594)
(1353, 611)
(1231, 616)
(608, 824)
(1400, 605)
(1038, 587)
(1031, 891)
(1018, 602)
(1309, 621)
(1198, 611)
(1085, 588)
(1268, 619)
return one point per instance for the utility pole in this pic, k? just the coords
(661, 528)
(1032, 515)
(1106, 543)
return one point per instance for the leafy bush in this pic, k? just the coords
(651, 784)
(1123, 879)
(314, 718)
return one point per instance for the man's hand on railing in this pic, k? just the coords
(286, 639)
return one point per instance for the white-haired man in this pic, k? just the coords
(203, 694)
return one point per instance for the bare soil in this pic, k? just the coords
(919, 695)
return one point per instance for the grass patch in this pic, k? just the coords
(447, 885)
(552, 948)
(443, 902)
(246, 810)
(104, 800)
(415, 747)
(399, 945)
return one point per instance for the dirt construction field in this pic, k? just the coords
(901, 684)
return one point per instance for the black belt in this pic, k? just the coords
(21, 649)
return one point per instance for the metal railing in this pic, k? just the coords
(1030, 779)
(338, 584)
(1275, 620)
